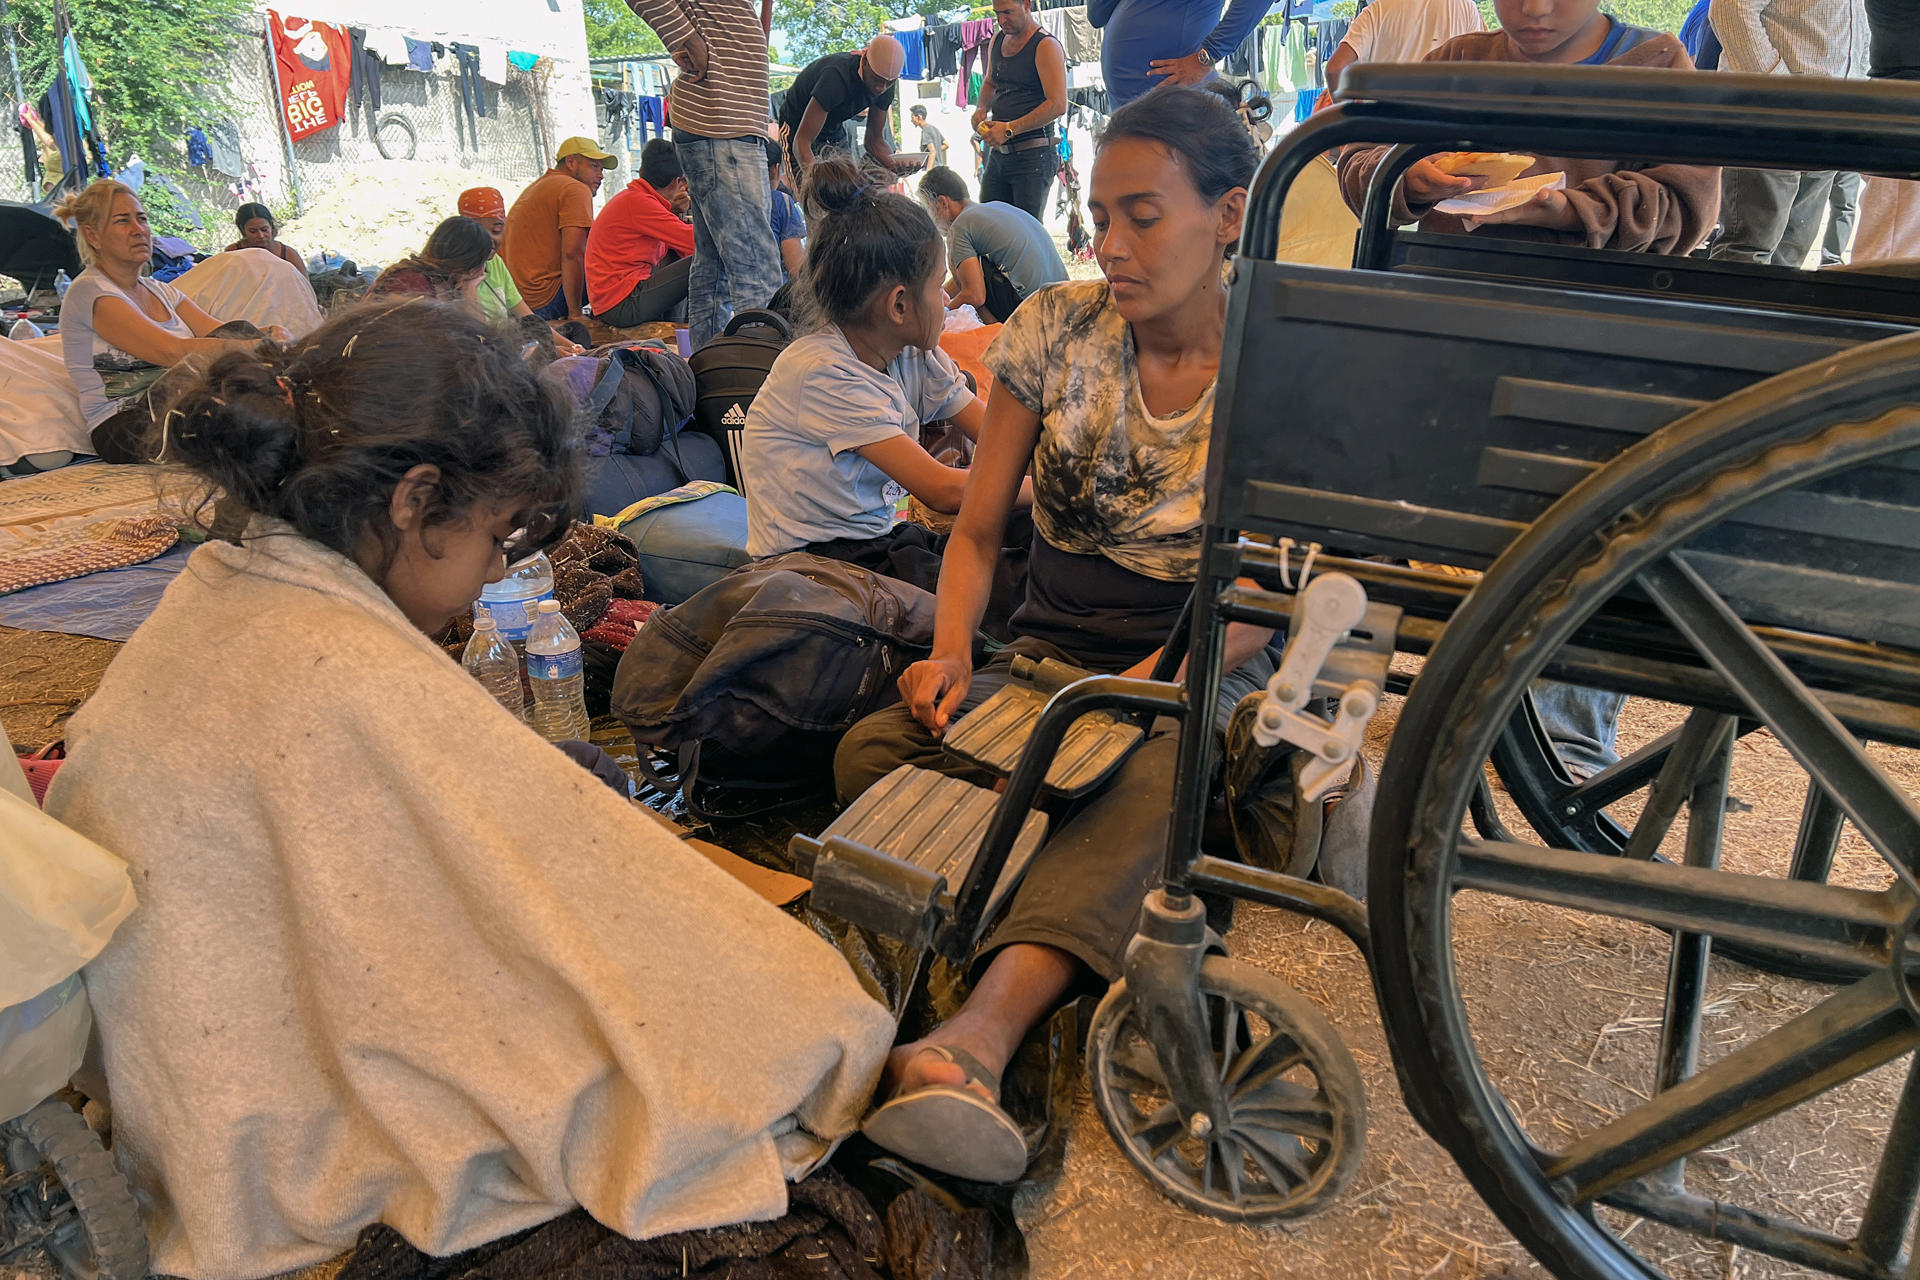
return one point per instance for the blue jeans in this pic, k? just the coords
(556, 308)
(736, 264)
(1581, 722)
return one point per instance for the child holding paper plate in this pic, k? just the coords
(1602, 204)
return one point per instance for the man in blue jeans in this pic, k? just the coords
(718, 106)
(1024, 93)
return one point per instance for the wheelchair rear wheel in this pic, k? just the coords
(1569, 813)
(1645, 1138)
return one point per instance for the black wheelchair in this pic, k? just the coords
(1665, 478)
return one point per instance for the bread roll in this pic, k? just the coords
(1497, 167)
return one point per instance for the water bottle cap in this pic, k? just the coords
(549, 606)
(482, 620)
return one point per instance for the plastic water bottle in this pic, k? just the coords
(553, 668)
(492, 661)
(514, 599)
(60, 283)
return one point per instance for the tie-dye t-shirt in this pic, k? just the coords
(1109, 478)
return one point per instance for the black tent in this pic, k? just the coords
(34, 245)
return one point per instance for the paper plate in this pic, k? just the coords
(1494, 199)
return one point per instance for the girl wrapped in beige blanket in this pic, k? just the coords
(396, 958)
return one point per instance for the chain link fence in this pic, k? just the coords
(504, 131)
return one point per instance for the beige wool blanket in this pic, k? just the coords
(397, 959)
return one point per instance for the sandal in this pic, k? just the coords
(952, 1129)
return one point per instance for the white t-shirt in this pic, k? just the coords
(805, 481)
(79, 344)
(1409, 30)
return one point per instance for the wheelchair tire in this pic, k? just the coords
(394, 136)
(1571, 815)
(1563, 1188)
(1298, 1125)
(106, 1240)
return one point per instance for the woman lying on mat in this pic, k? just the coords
(118, 328)
(396, 958)
(832, 440)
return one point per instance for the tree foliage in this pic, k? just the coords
(614, 32)
(157, 65)
(806, 28)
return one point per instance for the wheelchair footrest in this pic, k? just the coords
(994, 733)
(895, 860)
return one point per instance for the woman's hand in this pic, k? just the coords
(933, 690)
(278, 333)
(1550, 209)
(1189, 70)
(1427, 183)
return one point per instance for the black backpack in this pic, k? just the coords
(745, 689)
(727, 373)
(635, 401)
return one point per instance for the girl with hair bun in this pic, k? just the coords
(116, 320)
(396, 958)
(832, 438)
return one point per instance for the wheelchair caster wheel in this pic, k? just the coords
(66, 1193)
(1297, 1114)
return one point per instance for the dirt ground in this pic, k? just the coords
(383, 210)
(1565, 1010)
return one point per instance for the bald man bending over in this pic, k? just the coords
(832, 90)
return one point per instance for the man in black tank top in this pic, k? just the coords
(1024, 93)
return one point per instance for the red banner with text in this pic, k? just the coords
(314, 60)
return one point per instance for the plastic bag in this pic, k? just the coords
(41, 1043)
(61, 896)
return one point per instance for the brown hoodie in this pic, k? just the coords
(1666, 208)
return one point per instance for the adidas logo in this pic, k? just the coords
(734, 417)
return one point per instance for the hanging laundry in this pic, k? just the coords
(314, 60)
(943, 50)
(652, 110)
(493, 62)
(524, 61)
(419, 55)
(388, 44)
(473, 95)
(224, 137)
(198, 152)
(1082, 40)
(82, 82)
(363, 89)
(1054, 23)
(913, 43)
(1298, 38)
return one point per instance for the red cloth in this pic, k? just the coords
(622, 619)
(314, 60)
(628, 240)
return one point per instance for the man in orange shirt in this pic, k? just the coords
(629, 279)
(546, 241)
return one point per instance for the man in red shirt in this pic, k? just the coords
(640, 251)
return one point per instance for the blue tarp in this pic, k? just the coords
(109, 604)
